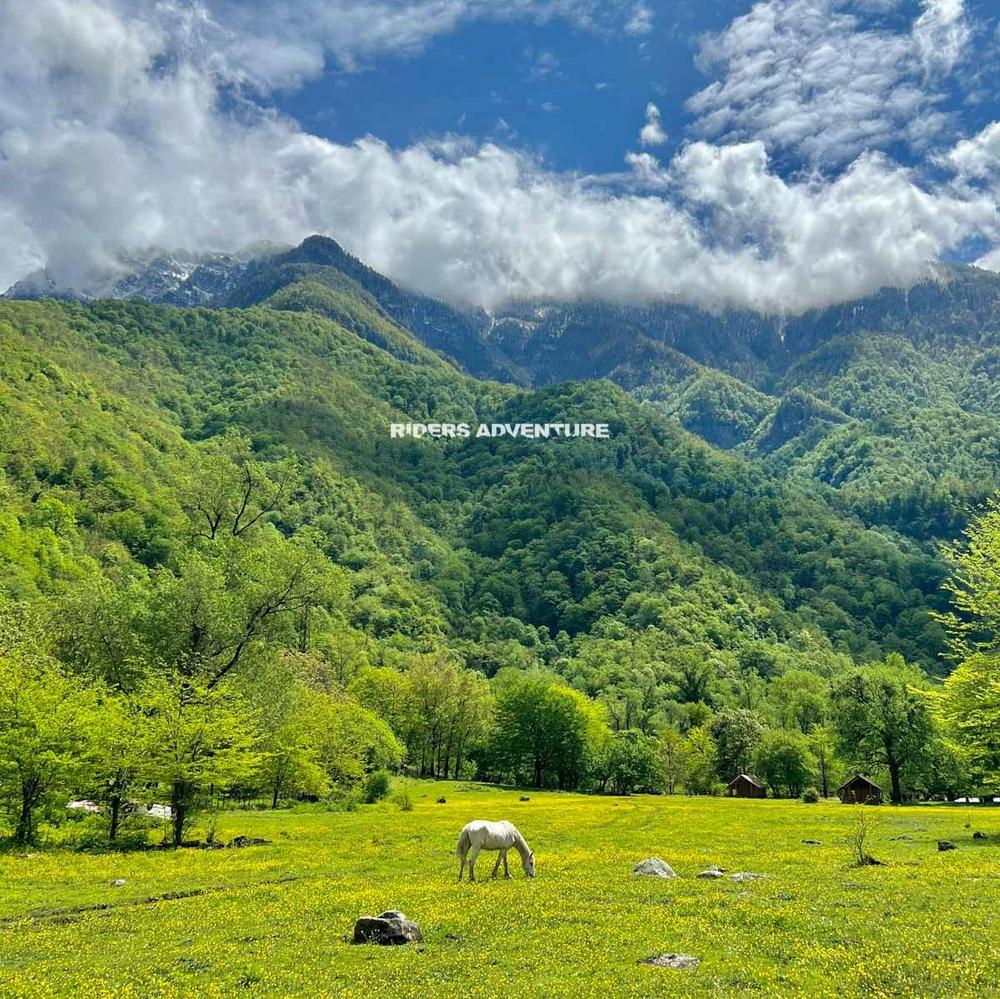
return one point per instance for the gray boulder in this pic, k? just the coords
(388, 928)
(712, 872)
(654, 868)
(678, 961)
(979, 835)
(740, 876)
(946, 844)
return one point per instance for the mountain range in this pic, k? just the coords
(889, 400)
(771, 482)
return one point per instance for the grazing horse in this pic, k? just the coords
(480, 835)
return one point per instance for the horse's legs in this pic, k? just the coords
(506, 869)
(473, 853)
(496, 866)
(461, 869)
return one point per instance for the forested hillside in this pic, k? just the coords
(208, 500)
(533, 532)
(890, 401)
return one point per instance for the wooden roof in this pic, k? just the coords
(859, 778)
(746, 777)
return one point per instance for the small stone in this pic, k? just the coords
(812, 842)
(979, 835)
(712, 872)
(118, 883)
(654, 868)
(678, 961)
(388, 929)
(524, 797)
(946, 844)
(442, 801)
(740, 876)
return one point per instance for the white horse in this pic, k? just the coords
(480, 835)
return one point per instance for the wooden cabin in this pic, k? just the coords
(859, 790)
(746, 786)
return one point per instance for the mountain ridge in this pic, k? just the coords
(654, 528)
(865, 397)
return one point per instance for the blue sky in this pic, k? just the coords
(779, 155)
(571, 96)
(576, 98)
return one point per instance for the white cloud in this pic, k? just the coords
(114, 137)
(275, 44)
(541, 65)
(978, 157)
(816, 78)
(976, 165)
(990, 261)
(941, 34)
(640, 21)
(652, 133)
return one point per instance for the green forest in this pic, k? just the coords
(221, 582)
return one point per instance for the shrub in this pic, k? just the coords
(810, 796)
(376, 786)
(857, 841)
(403, 800)
(345, 799)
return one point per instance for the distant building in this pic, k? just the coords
(746, 786)
(859, 790)
(91, 807)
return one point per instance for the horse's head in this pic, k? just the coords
(529, 864)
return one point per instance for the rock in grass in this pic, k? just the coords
(524, 797)
(812, 842)
(118, 883)
(740, 876)
(442, 801)
(678, 961)
(946, 844)
(389, 928)
(712, 872)
(979, 835)
(654, 868)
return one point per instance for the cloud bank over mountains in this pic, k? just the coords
(127, 124)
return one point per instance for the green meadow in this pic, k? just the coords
(276, 919)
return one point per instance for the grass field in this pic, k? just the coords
(275, 920)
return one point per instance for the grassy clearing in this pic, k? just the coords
(275, 920)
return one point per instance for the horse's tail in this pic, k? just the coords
(464, 842)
